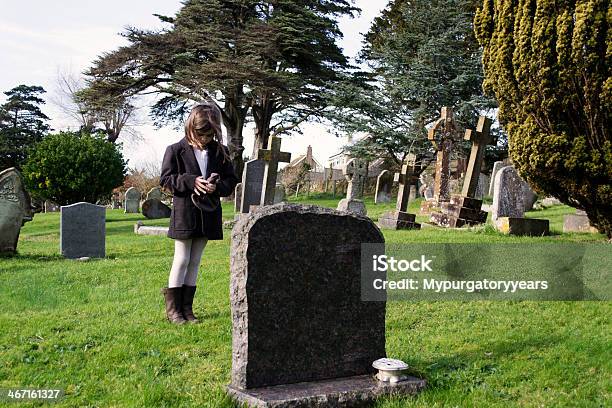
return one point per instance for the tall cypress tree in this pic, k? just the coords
(22, 124)
(275, 58)
(548, 63)
(422, 55)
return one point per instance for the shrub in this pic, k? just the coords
(70, 167)
(548, 64)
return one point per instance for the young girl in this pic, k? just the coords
(186, 171)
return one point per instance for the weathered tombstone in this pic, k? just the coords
(400, 218)
(154, 209)
(132, 200)
(279, 193)
(355, 172)
(497, 166)
(483, 187)
(301, 335)
(252, 184)
(508, 207)
(83, 231)
(237, 197)
(15, 209)
(443, 136)
(155, 194)
(384, 184)
(50, 206)
(578, 222)
(465, 209)
(271, 157)
(529, 196)
(508, 194)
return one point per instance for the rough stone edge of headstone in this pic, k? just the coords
(238, 255)
(338, 399)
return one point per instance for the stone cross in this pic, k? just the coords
(272, 156)
(480, 138)
(443, 135)
(407, 177)
(355, 172)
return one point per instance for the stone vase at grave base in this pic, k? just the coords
(301, 335)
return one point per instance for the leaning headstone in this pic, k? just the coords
(83, 231)
(15, 209)
(132, 200)
(252, 184)
(508, 207)
(154, 194)
(497, 166)
(465, 209)
(154, 209)
(301, 335)
(355, 172)
(384, 184)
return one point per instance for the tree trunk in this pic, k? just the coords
(234, 117)
(262, 115)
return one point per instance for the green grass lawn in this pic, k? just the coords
(96, 329)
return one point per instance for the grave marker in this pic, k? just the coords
(15, 209)
(83, 231)
(301, 334)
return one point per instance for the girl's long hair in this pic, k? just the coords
(205, 117)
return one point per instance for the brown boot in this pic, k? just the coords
(187, 308)
(173, 297)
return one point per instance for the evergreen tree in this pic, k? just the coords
(275, 58)
(22, 124)
(548, 63)
(422, 55)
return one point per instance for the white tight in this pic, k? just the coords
(187, 257)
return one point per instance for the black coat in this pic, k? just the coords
(179, 171)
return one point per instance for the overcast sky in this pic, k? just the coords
(39, 38)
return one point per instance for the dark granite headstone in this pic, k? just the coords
(301, 333)
(252, 184)
(296, 301)
(154, 209)
(83, 231)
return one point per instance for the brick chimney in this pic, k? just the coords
(309, 155)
